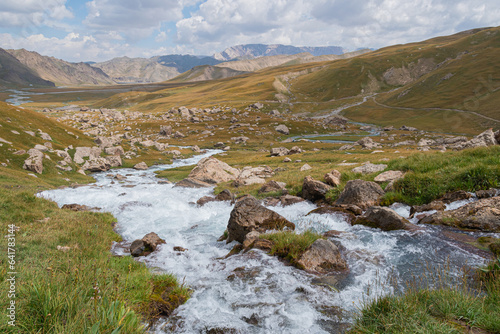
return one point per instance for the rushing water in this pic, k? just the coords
(254, 292)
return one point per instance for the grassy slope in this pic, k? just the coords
(56, 290)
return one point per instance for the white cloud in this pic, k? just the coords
(161, 37)
(135, 18)
(27, 13)
(348, 23)
(73, 47)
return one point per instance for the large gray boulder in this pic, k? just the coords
(248, 215)
(282, 128)
(213, 171)
(314, 190)
(361, 193)
(483, 215)
(384, 218)
(97, 165)
(368, 143)
(323, 256)
(279, 151)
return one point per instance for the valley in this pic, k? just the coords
(347, 186)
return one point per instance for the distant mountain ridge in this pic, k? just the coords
(15, 73)
(250, 51)
(45, 70)
(61, 72)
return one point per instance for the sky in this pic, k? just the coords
(99, 30)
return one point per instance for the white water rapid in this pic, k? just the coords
(254, 292)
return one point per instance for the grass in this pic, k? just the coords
(457, 309)
(84, 289)
(289, 245)
(430, 176)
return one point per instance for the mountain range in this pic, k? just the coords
(24, 68)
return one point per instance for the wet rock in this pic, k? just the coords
(250, 239)
(349, 209)
(389, 176)
(361, 193)
(192, 183)
(486, 193)
(224, 195)
(152, 240)
(248, 215)
(333, 178)
(204, 200)
(213, 171)
(483, 215)
(455, 196)
(179, 249)
(323, 256)
(289, 200)
(137, 248)
(369, 168)
(76, 207)
(141, 166)
(385, 219)
(434, 205)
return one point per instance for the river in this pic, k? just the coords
(255, 292)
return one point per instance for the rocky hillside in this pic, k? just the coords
(207, 72)
(252, 65)
(125, 70)
(14, 73)
(61, 72)
(250, 51)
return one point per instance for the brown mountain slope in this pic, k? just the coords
(14, 73)
(61, 72)
(136, 70)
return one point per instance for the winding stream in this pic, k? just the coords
(254, 292)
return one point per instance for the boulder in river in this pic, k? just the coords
(146, 245)
(385, 219)
(323, 256)
(248, 215)
(483, 215)
(361, 193)
(213, 171)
